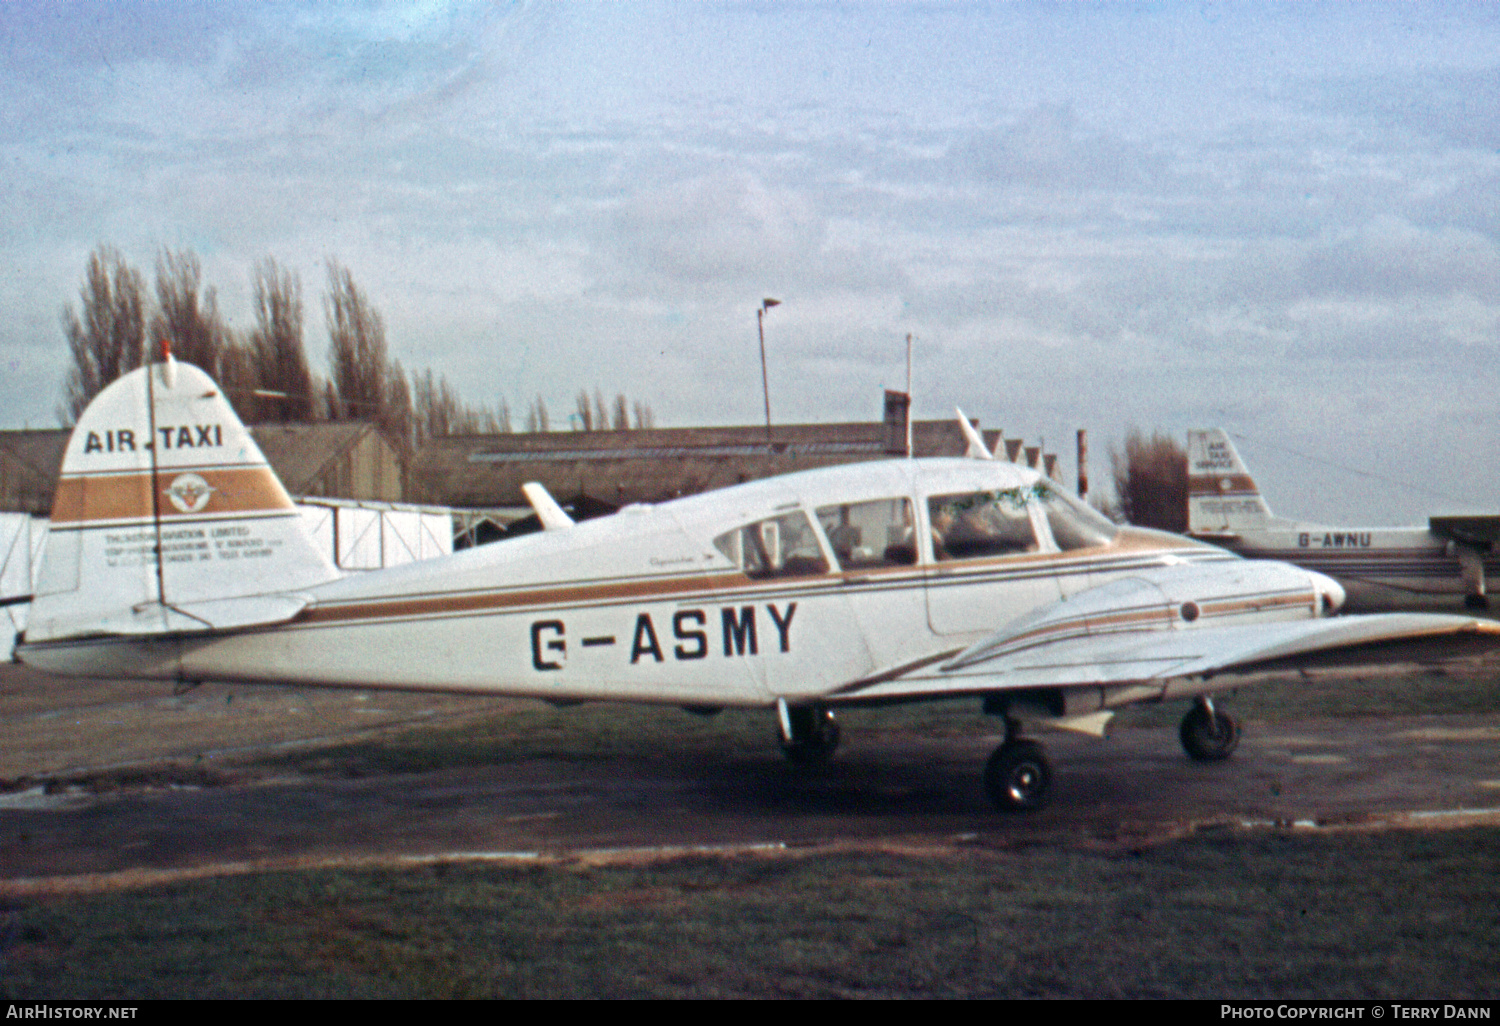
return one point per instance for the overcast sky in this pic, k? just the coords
(1279, 219)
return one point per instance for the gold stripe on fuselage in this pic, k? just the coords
(725, 586)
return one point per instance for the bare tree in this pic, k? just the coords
(597, 416)
(277, 356)
(1151, 481)
(189, 320)
(397, 417)
(436, 406)
(109, 338)
(536, 415)
(644, 418)
(356, 350)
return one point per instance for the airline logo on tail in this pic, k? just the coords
(190, 493)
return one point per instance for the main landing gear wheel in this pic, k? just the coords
(1209, 735)
(815, 736)
(1018, 777)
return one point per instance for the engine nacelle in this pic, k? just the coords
(1169, 599)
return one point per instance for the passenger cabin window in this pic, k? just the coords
(980, 525)
(870, 534)
(784, 546)
(1074, 524)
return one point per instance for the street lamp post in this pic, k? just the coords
(760, 324)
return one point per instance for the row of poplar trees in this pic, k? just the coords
(266, 375)
(264, 370)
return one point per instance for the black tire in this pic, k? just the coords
(1208, 738)
(815, 737)
(1018, 777)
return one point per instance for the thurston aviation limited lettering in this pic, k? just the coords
(189, 544)
(688, 640)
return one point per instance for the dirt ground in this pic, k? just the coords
(110, 783)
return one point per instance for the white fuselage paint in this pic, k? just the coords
(1371, 562)
(642, 606)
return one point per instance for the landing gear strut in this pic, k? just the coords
(808, 735)
(1207, 734)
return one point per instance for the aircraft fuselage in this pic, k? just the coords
(650, 604)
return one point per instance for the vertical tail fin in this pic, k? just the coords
(168, 519)
(1222, 496)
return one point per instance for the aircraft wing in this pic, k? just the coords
(1482, 532)
(1013, 661)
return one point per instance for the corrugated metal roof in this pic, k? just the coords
(660, 452)
(650, 465)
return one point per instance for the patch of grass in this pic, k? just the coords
(1249, 915)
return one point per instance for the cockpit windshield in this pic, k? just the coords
(1074, 524)
(976, 525)
(1010, 521)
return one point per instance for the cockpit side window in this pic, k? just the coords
(979, 525)
(870, 534)
(1074, 525)
(781, 546)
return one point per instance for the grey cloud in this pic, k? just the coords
(1047, 148)
(1383, 337)
(721, 227)
(1459, 107)
(1389, 258)
(1472, 204)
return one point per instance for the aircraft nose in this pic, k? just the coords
(1330, 593)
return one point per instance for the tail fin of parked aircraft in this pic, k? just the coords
(1222, 496)
(167, 518)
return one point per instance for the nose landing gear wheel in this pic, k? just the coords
(1208, 735)
(1017, 777)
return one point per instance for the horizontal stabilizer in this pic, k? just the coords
(1481, 532)
(248, 611)
(153, 618)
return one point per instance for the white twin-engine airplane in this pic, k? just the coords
(1443, 564)
(176, 554)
